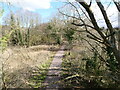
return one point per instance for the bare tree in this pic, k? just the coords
(109, 39)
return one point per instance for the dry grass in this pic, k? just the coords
(20, 63)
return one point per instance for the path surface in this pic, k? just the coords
(53, 75)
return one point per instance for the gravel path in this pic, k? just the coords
(53, 75)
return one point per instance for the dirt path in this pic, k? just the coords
(53, 75)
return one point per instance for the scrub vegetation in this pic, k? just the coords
(92, 52)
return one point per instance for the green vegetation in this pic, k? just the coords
(69, 35)
(48, 33)
(3, 40)
(39, 76)
(92, 58)
(80, 70)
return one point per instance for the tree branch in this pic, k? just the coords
(90, 3)
(82, 25)
(117, 5)
(93, 20)
(91, 37)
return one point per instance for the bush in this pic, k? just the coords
(69, 35)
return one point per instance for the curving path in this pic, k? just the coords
(53, 75)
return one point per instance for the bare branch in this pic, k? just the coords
(108, 5)
(117, 5)
(78, 30)
(100, 56)
(92, 17)
(85, 14)
(109, 25)
(82, 25)
(67, 15)
(90, 3)
(111, 34)
(91, 37)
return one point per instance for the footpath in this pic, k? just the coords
(53, 75)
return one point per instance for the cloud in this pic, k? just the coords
(63, 0)
(30, 5)
(33, 5)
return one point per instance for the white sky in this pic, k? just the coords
(112, 13)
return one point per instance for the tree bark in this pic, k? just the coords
(109, 25)
(92, 17)
(112, 42)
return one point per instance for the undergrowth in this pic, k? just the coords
(39, 75)
(87, 72)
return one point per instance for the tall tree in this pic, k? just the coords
(109, 43)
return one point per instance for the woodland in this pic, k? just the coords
(92, 52)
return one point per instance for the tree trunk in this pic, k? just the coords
(119, 40)
(112, 42)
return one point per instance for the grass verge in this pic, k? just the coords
(39, 75)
